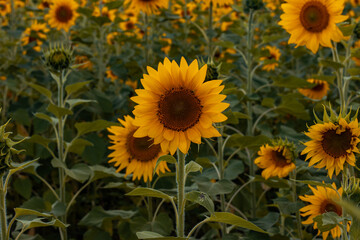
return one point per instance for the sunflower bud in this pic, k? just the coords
(253, 4)
(352, 190)
(289, 146)
(213, 70)
(357, 30)
(58, 58)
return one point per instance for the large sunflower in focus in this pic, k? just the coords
(313, 22)
(62, 14)
(317, 92)
(321, 202)
(137, 155)
(332, 145)
(147, 6)
(176, 107)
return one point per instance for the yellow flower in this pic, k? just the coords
(105, 12)
(276, 160)
(323, 200)
(176, 107)
(219, 3)
(332, 145)
(36, 32)
(147, 6)
(274, 54)
(4, 7)
(137, 155)
(313, 22)
(62, 14)
(84, 60)
(317, 92)
(355, 3)
(110, 74)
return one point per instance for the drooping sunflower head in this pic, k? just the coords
(137, 155)
(272, 57)
(313, 22)
(323, 200)
(146, 6)
(176, 107)
(317, 92)
(62, 14)
(277, 159)
(333, 143)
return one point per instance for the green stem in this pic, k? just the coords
(180, 179)
(340, 81)
(60, 142)
(294, 196)
(221, 176)
(150, 204)
(3, 219)
(344, 185)
(210, 30)
(4, 104)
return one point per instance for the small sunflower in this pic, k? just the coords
(62, 14)
(355, 3)
(317, 92)
(274, 54)
(147, 6)
(321, 202)
(176, 107)
(105, 12)
(332, 144)
(44, 4)
(110, 74)
(36, 32)
(218, 3)
(313, 22)
(4, 7)
(276, 160)
(137, 155)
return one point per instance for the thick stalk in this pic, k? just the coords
(210, 30)
(180, 179)
(60, 142)
(249, 88)
(3, 219)
(294, 196)
(340, 82)
(221, 176)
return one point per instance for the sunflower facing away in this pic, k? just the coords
(147, 6)
(313, 22)
(62, 14)
(274, 54)
(332, 144)
(277, 160)
(317, 92)
(321, 202)
(137, 155)
(176, 107)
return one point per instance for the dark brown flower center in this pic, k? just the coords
(179, 109)
(336, 145)
(142, 149)
(328, 206)
(272, 56)
(130, 25)
(314, 16)
(279, 158)
(318, 87)
(2, 7)
(63, 14)
(45, 4)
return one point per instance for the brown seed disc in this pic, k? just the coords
(142, 149)
(314, 16)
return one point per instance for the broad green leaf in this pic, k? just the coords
(291, 105)
(44, 91)
(204, 162)
(229, 218)
(288, 207)
(46, 117)
(332, 64)
(234, 169)
(327, 221)
(40, 140)
(41, 222)
(329, 79)
(192, 167)
(315, 183)
(23, 186)
(58, 111)
(155, 236)
(292, 82)
(347, 30)
(273, 182)
(96, 234)
(19, 167)
(101, 172)
(58, 209)
(120, 185)
(74, 102)
(201, 198)
(268, 102)
(223, 186)
(233, 117)
(149, 192)
(166, 158)
(23, 212)
(87, 127)
(354, 71)
(240, 141)
(80, 172)
(73, 88)
(78, 145)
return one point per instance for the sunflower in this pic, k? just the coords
(323, 200)
(105, 12)
(36, 32)
(44, 4)
(355, 3)
(176, 107)
(313, 22)
(4, 7)
(318, 91)
(110, 74)
(62, 14)
(277, 160)
(137, 155)
(332, 144)
(274, 54)
(219, 3)
(147, 6)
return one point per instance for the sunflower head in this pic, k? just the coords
(277, 158)
(253, 4)
(334, 117)
(352, 189)
(58, 57)
(213, 70)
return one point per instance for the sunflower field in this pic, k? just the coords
(179, 119)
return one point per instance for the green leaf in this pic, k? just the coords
(292, 82)
(87, 127)
(329, 79)
(58, 111)
(40, 140)
(24, 212)
(47, 118)
(101, 172)
(44, 91)
(80, 172)
(204, 162)
(327, 221)
(315, 183)
(41, 222)
(78, 145)
(229, 218)
(19, 167)
(347, 30)
(74, 102)
(223, 186)
(166, 158)
(155, 236)
(192, 167)
(149, 192)
(201, 198)
(240, 141)
(354, 71)
(268, 102)
(273, 182)
(291, 105)
(73, 88)
(332, 64)
(23, 186)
